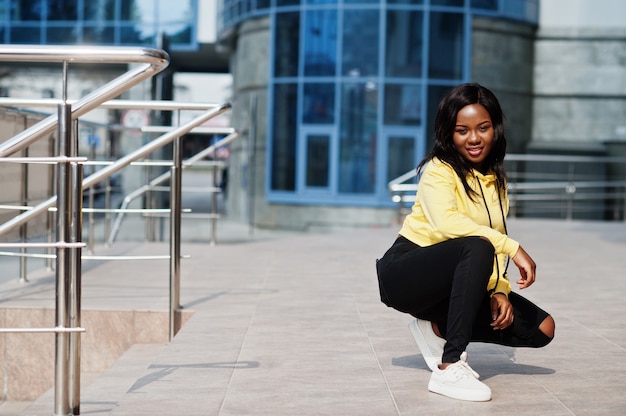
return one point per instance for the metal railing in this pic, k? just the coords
(549, 186)
(70, 186)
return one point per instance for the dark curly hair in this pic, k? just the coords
(445, 122)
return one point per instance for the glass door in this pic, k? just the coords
(403, 151)
(316, 159)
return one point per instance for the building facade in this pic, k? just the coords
(337, 96)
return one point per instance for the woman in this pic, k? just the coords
(448, 266)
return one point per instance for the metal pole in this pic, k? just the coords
(175, 220)
(214, 192)
(63, 221)
(24, 228)
(75, 288)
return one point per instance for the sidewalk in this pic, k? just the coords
(291, 324)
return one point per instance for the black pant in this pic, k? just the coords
(446, 283)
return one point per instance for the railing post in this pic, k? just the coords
(24, 227)
(214, 191)
(75, 289)
(63, 221)
(175, 222)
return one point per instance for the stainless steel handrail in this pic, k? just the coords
(69, 180)
(121, 163)
(154, 61)
(563, 187)
(164, 177)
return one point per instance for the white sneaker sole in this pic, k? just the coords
(432, 358)
(459, 394)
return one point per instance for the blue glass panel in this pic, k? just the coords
(284, 138)
(400, 156)
(361, 1)
(435, 94)
(404, 44)
(140, 10)
(320, 43)
(485, 4)
(178, 33)
(318, 103)
(287, 2)
(445, 58)
(405, 1)
(137, 35)
(61, 35)
(99, 35)
(27, 10)
(360, 42)
(403, 104)
(62, 10)
(357, 148)
(321, 1)
(286, 44)
(129, 11)
(262, 4)
(317, 160)
(456, 3)
(100, 10)
(25, 35)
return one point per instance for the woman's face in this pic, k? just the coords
(473, 134)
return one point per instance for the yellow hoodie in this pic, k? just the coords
(443, 210)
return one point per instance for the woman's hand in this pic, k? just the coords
(526, 266)
(501, 311)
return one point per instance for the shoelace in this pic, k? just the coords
(461, 367)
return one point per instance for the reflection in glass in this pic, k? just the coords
(28, 10)
(317, 160)
(62, 35)
(435, 94)
(99, 10)
(100, 34)
(284, 141)
(457, 3)
(26, 35)
(401, 156)
(360, 43)
(286, 43)
(485, 4)
(357, 147)
(318, 103)
(446, 46)
(62, 10)
(403, 104)
(404, 44)
(320, 43)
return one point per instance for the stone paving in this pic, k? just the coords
(291, 324)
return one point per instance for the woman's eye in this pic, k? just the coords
(461, 131)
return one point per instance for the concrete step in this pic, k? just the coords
(102, 393)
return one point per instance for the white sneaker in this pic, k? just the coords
(430, 345)
(459, 381)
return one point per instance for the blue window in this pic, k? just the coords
(404, 43)
(318, 103)
(357, 149)
(284, 143)
(360, 43)
(104, 22)
(320, 43)
(286, 44)
(445, 58)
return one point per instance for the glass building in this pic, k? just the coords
(99, 22)
(352, 86)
